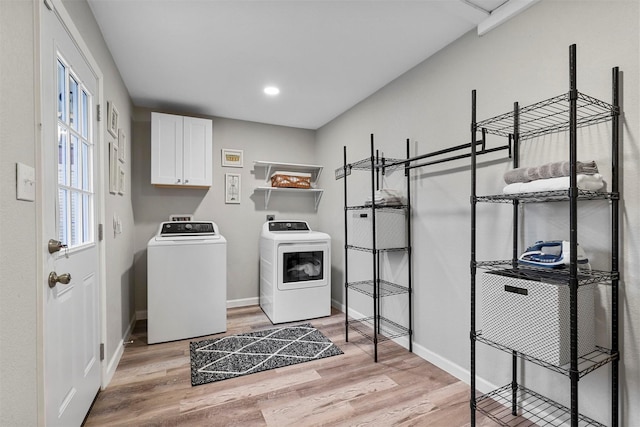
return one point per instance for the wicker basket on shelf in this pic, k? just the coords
(291, 180)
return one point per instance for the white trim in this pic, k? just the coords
(452, 368)
(446, 365)
(243, 302)
(463, 10)
(503, 14)
(110, 368)
(40, 273)
(462, 373)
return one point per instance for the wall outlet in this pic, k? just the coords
(271, 217)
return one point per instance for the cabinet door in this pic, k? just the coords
(198, 151)
(166, 149)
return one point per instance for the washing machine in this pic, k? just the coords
(295, 271)
(186, 281)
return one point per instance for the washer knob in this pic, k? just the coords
(188, 226)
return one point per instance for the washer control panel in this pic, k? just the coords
(288, 226)
(186, 228)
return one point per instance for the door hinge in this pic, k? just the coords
(101, 351)
(98, 112)
(100, 232)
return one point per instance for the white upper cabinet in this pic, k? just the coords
(181, 151)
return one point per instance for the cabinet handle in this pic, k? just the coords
(186, 181)
(178, 181)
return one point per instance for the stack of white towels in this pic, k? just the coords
(552, 177)
(386, 197)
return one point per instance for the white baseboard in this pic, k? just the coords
(243, 302)
(446, 365)
(452, 368)
(110, 369)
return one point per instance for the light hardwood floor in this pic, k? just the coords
(152, 387)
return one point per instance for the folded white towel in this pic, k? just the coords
(386, 197)
(585, 182)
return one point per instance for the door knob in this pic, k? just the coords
(55, 245)
(64, 278)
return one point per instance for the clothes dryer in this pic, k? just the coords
(295, 271)
(186, 281)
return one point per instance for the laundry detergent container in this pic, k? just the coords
(532, 317)
(390, 228)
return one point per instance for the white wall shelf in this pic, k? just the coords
(270, 167)
(314, 170)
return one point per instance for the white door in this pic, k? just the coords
(69, 176)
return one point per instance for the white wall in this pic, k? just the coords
(119, 248)
(18, 267)
(524, 60)
(240, 223)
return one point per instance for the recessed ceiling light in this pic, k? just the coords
(271, 90)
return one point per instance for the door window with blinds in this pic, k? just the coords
(75, 159)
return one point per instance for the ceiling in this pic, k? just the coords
(214, 57)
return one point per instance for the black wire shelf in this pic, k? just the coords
(388, 329)
(550, 116)
(547, 196)
(532, 409)
(380, 163)
(363, 249)
(513, 404)
(378, 207)
(385, 289)
(586, 363)
(547, 275)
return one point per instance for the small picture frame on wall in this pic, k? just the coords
(232, 188)
(122, 146)
(231, 158)
(112, 119)
(114, 174)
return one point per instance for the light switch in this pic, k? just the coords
(25, 182)
(117, 225)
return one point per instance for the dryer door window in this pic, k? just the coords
(302, 266)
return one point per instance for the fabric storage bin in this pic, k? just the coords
(532, 317)
(291, 180)
(390, 229)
